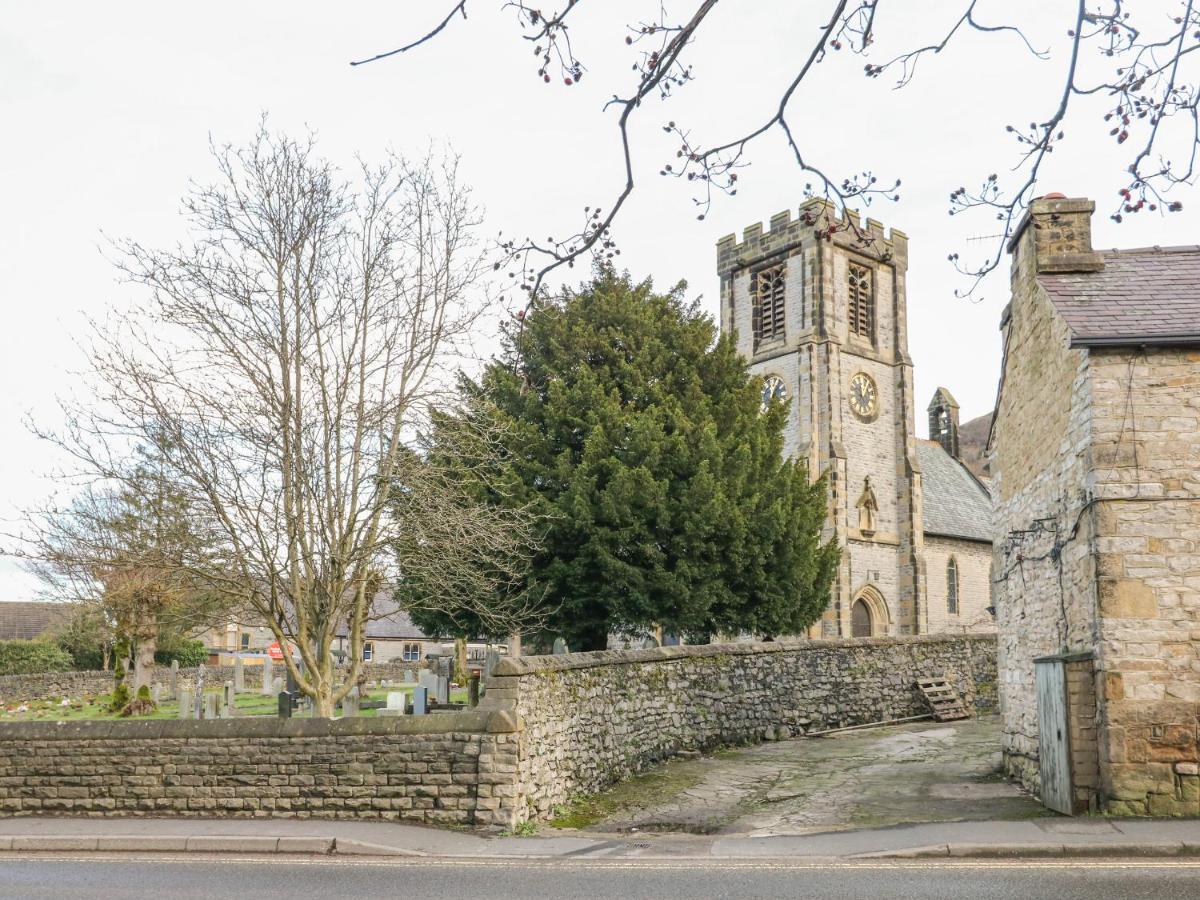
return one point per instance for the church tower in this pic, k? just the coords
(822, 318)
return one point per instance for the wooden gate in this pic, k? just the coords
(1054, 750)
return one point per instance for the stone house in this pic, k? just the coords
(824, 322)
(1094, 453)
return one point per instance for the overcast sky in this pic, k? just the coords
(106, 111)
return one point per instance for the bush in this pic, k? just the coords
(189, 653)
(32, 657)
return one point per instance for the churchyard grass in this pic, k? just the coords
(250, 703)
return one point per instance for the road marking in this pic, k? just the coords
(598, 865)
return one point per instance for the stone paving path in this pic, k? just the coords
(921, 772)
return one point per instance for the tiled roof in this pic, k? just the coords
(1147, 295)
(955, 503)
(389, 622)
(26, 620)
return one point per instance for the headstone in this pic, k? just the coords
(292, 687)
(420, 700)
(409, 677)
(277, 685)
(230, 697)
(428, 680)
(239, 675)
(268, 676)
(350, 703)
(489, 662)
(395, 704)
(443, 689)
(199, 690)
(156, 693)
(210, 706)
(560, 646)
(285, 704)
(173, 684)
(186, 704)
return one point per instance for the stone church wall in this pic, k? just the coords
(974, 562)
(591, 719)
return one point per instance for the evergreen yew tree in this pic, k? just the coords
(639, 434)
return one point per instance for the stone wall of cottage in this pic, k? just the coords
(592, 719)
(1146, 484)
(1042, 568)
(445, 768)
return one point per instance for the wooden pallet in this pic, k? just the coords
(943, 702)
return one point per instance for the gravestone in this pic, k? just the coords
(473, 690)
(268, 676)
(230, 697)
(239, 675)
(395, 704)
(156, 693)
(420, 701)
(285, 703)
(210, 706)
(173, 684)
(350, 703)
(443, 689)
(186, 704)
(409, 677)
(199, 690)
(560, 647)
(277, 685)
(489, 662)
(428, 680)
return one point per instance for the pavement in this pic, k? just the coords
(1027, 838)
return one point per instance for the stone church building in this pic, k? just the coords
(824, 322)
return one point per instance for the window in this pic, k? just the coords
(952, 587)
(411, 652)
(368, 651)
(862, 302)
(245, 640)
(766, 292)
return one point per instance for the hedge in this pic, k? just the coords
(32, 657)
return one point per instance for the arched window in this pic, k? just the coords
(952, 587)
(767, 294)
(860, 619)
(862, 302)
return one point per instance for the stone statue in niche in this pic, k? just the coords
(867, 507)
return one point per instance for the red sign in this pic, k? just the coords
(274, 652)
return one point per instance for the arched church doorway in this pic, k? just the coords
(860, 619)
(869, 614)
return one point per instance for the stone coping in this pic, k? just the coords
(531, 665)
(467, 721)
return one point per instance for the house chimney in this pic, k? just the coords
(943, 421)
(1056, 235)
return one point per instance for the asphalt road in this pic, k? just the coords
(181, 879)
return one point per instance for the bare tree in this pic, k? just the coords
(282, 360)
(124, 551)
(1134, 59)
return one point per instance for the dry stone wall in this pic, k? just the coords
(591, 719)
(449, 768)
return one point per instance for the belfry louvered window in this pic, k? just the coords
(862, 302)
(767, 292)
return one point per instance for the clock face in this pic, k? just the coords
(772, 389)
(864, 397)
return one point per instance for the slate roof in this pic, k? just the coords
(389, 622)
(26, 620)
(1150, 295)
(955, 502)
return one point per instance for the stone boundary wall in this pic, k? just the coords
(549, 728)
(445, 768)
(591, 719)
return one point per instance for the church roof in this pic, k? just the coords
(1149, 295)
(956, 504)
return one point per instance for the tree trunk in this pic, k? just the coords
(143, 662)
(462, 673)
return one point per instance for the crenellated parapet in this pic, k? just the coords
(817, 220)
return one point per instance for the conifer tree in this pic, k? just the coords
(640, 436)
